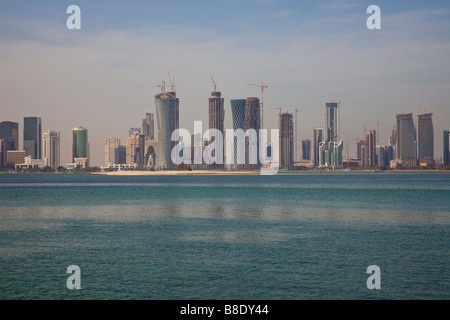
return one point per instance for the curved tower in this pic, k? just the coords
(167, 118)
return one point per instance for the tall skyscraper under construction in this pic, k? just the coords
(425, 135)
(216, 113)
(286, 126)
(406, 140)
(252, 121)
(167, 119)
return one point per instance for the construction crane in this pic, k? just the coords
(262, 99)
(214, 83)
(162, 86)
(172, 83)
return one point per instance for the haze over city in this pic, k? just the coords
(104, 77)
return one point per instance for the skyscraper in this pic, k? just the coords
(216, 116)
(370, 148)
(306, 149)
(320, 135)
(252, 121)
(167, 118)
(286, 125)
(110, 145)
(80, 145)
(9, 129)
(425, 139)
(359, 149)
(446, 147)
(406, 139)
(135, 149)
(32, 137)
(148, 126)
(332, 121)
(238, 115)
(120, 155)
(51, 144)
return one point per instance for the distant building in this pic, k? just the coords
(306, 149)
(110, 145)
(388, 155)
(332, 121)
(135, 149)
(252, 121)
(425, 139)
(406, 140)
(148, 126)
(359, 149)
(167, 117)
(133, 131)
(446, 148)
(238, 116)
(330, 154)
(32, 137)
(381, 156)
(9, 129)
(370, 148)
(120, 155)
(80, 145)
(320, 135)
(6, 144)
(51, 150)
(14, 157)
(216, 113)
(286, 125)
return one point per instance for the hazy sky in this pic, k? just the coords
(104, 76)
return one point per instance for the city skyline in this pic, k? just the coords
(307, 54)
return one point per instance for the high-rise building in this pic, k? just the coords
(80, 145)
(110, 145)
(51, 144)
(381, 155)
(370, 148)
(425, 139)
(9, 129)
(286, 125)
(120, 155)
(252, 121)
(135, 149)
(148, 126)
(388, 155)
(446, 148)
(167, 118)
(306, 149)
(6, 144)
(330, 153)
(359, 149)
(332, 121)
(217, 116)
(238, 115)
(320, 135)
(32, 137)
(406, 140)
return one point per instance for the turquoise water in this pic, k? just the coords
(299, 236)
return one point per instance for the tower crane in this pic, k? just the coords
(262, 86)
(214, 83)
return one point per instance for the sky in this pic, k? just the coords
(104, 76)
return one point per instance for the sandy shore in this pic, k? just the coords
(174, 172)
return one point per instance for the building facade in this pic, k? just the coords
(80, 144)
(135, 149)
(406, 140)
(110, 145)
(306, 149)
(370, 151)
(9, 129)
(148, 126)
(320, 135)
(167, 118)
(286, 126)
(425, 141)
(51, 151)
(332, 112)
(32, 137)
(446, 149)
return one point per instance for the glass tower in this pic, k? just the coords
(446, 147)
(32, 137)
(9, 129)
(332, 121)
(425, 138)
(80, 143)
(286, 126)
(406, 139)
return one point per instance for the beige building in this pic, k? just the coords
(135, 149)
(51, 148)
(110, 145)
(15, 156)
